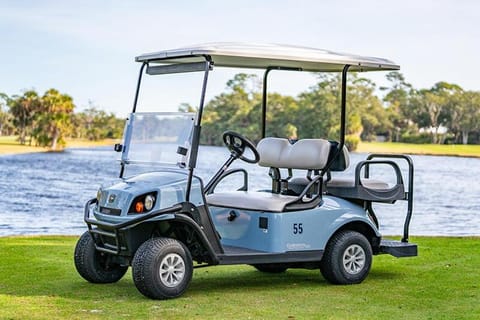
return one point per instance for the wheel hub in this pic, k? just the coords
(354, 259)
(172, 270)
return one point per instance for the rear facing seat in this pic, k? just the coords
(364, 188)
(350, 183)
(357, 187)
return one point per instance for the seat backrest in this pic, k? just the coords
(342, 161)
(308, 154)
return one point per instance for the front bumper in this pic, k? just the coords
(112, 237)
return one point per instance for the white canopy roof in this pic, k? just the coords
(253, 55)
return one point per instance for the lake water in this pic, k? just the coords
(44, 193)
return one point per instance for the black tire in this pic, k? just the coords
(95, 266)
(347, 258)
(158, 254)
(270, 267)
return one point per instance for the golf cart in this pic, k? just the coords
(164, 221)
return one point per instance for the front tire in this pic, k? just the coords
(347, 258)
(95, 266)
(162, 268)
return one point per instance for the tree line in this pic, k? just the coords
(47, 120)
(444, 113)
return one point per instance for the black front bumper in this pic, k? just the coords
(121, 238)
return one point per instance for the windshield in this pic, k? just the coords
(158, 139)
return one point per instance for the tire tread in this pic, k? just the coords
(143, 267)
(329, 267)
(85, 262)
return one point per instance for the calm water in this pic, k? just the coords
(45, 193)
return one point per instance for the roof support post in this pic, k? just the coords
(208, 67)
(138, 86)
(343, 106)
(197, 128)
(264, 100)
(343, 119)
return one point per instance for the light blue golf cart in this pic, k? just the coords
(163, 220)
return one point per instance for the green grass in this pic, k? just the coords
(38, 281)
(425, 149)
(10, 145)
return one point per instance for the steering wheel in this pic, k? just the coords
(237, 144)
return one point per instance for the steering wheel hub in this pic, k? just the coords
(237, 144)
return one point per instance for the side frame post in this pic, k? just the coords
(343, 119)
(197, 128)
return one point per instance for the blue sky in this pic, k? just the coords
(87, 48)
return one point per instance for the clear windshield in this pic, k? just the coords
(159, 139)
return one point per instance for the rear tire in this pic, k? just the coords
(347, 258)
(95, 266)
(270, 267)
(162, 268)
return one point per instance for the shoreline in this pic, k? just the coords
(454, 150)
(11, 147)
(475, 236)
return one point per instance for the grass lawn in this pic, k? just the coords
(38, 281)
(10, 145)
(426, 149)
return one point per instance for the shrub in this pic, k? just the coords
(416, 138)
(352, 141)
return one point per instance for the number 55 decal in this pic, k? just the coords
(297, 228)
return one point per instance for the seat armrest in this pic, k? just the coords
(300, 203)
(367, 163)
(316, 179)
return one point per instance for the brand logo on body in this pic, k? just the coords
(111, 198)
(298, 246)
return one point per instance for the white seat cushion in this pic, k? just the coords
(350, 183)
(250, 200)
(304, 154)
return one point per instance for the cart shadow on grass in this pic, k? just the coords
(236, 282)
(207, 281)
(291, 279)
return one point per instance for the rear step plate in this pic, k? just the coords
(398, 249)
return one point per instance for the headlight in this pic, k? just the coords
(149, 201)
(143, 203)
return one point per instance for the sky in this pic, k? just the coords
(87, 48)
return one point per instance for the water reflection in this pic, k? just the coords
(44, 193)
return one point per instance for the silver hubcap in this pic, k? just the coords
(172, 270)
(354, 259)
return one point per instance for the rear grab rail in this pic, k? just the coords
(408, 193)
